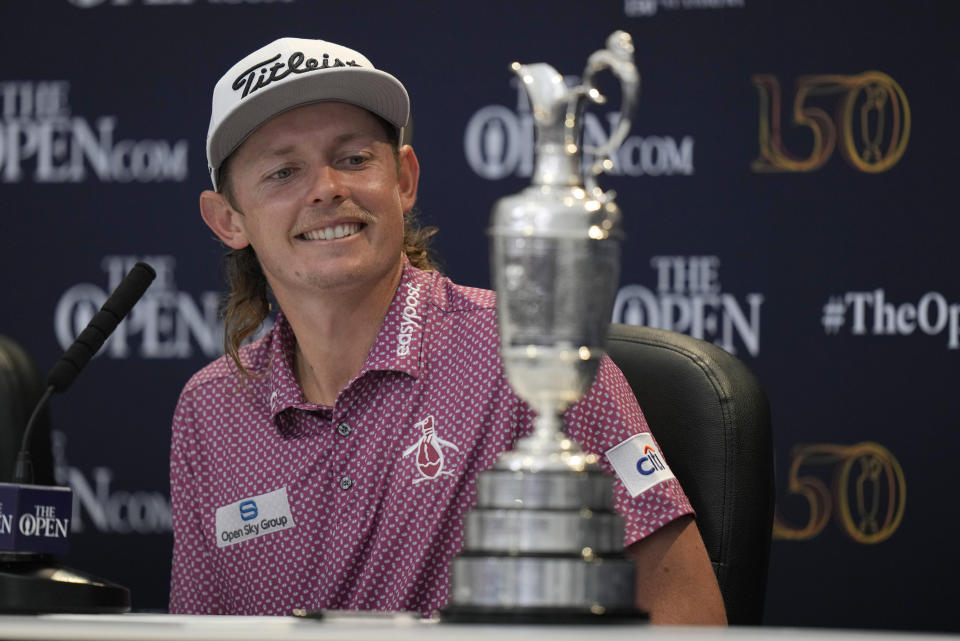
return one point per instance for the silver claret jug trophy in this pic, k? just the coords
(543, 542)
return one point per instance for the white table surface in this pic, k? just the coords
(366, 627)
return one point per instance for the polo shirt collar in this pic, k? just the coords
(397, 348)
(285, 392)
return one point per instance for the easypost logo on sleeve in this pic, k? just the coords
(253, 517)
(639, 463)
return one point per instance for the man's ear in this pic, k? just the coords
(408, 177)
(223, 219)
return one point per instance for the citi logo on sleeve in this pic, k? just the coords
(639, 463)
(650, 462)
(253, 517)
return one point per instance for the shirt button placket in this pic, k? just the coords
(344, 429)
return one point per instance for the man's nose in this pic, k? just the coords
(328, 186)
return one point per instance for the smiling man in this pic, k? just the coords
(330, 463)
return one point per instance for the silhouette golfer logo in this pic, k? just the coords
(428, 451)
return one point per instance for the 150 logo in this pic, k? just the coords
(871, 123)
(868, 492)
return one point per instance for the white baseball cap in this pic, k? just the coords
(291, 72)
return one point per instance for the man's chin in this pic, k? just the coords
(343, 279)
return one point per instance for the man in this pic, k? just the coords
(330, 463)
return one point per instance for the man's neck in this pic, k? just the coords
(335, 332)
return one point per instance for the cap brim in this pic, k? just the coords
(371, 89)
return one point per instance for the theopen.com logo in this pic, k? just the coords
(499, 142)
(41, 140)
(101, 505)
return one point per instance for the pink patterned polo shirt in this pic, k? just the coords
(279, 503)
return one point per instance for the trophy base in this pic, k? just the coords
(541, 615)
(544, 531)
(547, 582)
(550, 490)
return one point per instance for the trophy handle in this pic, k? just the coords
(618, 58)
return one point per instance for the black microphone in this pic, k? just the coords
(121, 301)
(98, 330)
(35, 519)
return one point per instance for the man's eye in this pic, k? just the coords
(280, 174)
(356, 160)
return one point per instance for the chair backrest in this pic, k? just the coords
(20, 388)
(712, 421)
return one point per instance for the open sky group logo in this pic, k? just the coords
(253, 517)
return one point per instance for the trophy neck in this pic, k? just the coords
(554, 165)
(557, 117)
(547, 449)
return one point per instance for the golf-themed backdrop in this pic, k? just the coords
(786, 189)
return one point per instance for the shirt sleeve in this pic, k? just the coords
(607, 416)
(194, 588)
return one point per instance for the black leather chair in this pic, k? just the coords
(20, 388)
(711, 418)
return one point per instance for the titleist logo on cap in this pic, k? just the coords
(257, 76)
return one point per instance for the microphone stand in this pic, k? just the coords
(34, 583)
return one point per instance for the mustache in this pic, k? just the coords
(343, 213)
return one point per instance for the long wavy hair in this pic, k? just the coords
(247, 303)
